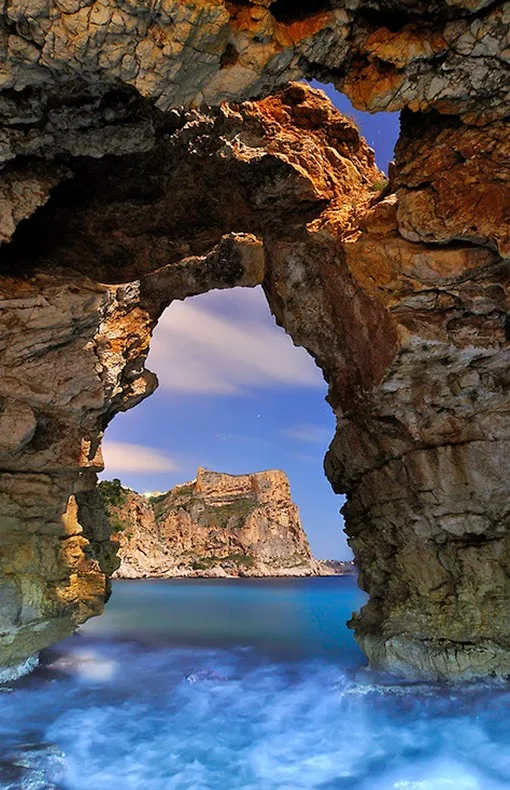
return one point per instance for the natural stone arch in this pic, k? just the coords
(243, 195)
(287, 188)
(421, 446)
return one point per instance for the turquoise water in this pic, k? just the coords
(219, 685)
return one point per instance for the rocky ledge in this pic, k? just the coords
(215, 526)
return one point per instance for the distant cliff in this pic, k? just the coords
(214, 526)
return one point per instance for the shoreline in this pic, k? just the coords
(316, 569)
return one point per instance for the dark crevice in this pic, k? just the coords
(121, 217)
(392, 20)
(396, 15)
(288, 11)
(229, 57)
(22, 29)
(105, 107)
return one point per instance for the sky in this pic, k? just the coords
(237, 396)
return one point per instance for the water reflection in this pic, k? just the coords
(284, 618)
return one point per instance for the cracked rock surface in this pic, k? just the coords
(384, 54)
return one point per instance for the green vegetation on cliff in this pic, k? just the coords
(206, 563)
(114, 496)
(112, 492)
(233, 514)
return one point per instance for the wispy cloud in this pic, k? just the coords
(227, 344)
(125, 457)
(309, 434)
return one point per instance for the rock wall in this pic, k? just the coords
(215, 526)
(114, 202)
(384, 54)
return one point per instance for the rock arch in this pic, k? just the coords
(113, 205)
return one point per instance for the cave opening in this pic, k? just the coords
(98, 210)
(235, 396)
(112, 246)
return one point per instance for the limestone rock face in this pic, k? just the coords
(336, 568)
(453, 181)
(427, 453)
(216, 525)
(385, 54)
(121, 191)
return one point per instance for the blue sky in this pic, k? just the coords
(236, 396)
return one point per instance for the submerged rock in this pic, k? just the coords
(16, 671)
(203, 675)
(34, 765)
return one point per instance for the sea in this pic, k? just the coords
(241, 684)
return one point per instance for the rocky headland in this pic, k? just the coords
(215, 526)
